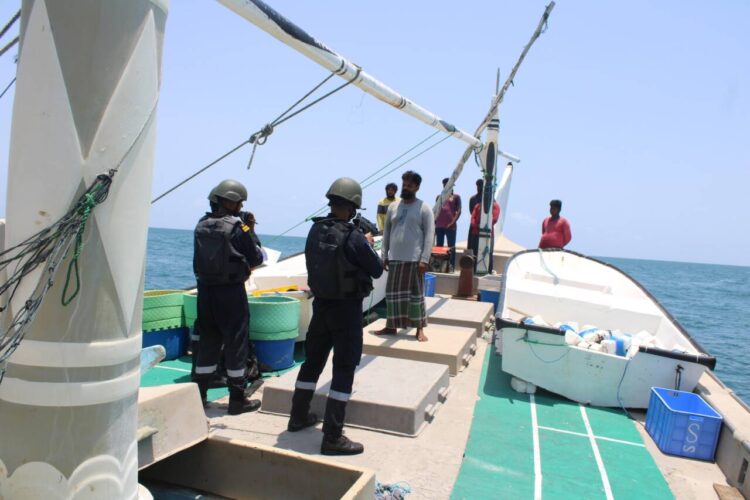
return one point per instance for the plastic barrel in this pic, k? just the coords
(276, 354)
(273, 313)
(490, 296)
(429, 285)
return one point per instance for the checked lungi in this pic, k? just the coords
(404, 295)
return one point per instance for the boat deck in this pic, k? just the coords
(488, 441)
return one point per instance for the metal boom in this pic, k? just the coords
(276, 25)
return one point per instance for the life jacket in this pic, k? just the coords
(330, 275)
(216, 261)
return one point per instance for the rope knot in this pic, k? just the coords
(260, 137)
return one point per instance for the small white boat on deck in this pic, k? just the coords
(544, 292)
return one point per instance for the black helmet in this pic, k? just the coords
(347, 189)
(228, 189)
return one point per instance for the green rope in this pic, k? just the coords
(84, 211)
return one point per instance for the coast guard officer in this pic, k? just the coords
(340, 267)
(224, 254)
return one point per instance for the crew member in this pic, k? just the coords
(555, 229)
(224, 254)
(340, 267)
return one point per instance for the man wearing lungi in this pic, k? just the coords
(407, 245)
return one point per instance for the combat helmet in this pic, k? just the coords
(348, 189)
(229, 189)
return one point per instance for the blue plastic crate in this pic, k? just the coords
(174, 340)
(682, 423)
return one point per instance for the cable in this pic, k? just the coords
(8, 46)
(259, 138)
(10, 23)
(8, 87)
(365, 186)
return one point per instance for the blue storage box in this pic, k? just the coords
(490, 296)
(429, 285)
(174, 340)
(682, 423)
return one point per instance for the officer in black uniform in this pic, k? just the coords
(224, 254)
(340, 267)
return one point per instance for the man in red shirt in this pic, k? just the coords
(555, 229)
(476, 213)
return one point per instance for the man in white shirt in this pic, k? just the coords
(407, 246)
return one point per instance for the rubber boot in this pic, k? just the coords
(300, 417)
(203, 390)
(334, 441)
(238, 402)
(341, 445)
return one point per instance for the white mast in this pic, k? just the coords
(489, 158)
(87, 87)
(295, 37)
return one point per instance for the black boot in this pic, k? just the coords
(244, 405)
(341, 445)
(300, 416)
(333, 423)
(203, 390)
(238, 402)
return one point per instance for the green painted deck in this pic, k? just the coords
(543, 446)
(177, 371)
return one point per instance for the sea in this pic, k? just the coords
(712, 302)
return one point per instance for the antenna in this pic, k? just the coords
(497, 82)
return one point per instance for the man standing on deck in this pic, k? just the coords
(555, 229)
(390, 196)
(407, 245)
(224, 254)
(445, 224)
(340, 267)
(472, 242)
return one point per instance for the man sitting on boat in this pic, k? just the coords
(555, 229)
(340, 267)
(407, 246)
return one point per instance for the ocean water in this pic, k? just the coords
(712, 302)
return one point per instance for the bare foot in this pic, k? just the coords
(421, 336)
(385, 331)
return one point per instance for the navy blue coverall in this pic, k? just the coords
(223, 319)
(337, 325)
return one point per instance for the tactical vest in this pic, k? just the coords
(330, 275)
(216, 260)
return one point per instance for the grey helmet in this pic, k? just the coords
(347, 189)
(228, 189)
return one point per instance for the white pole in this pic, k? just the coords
(276, 25)
(489, 165)
(88, 83)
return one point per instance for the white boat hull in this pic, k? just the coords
(562, 286)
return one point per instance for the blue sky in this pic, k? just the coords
(636, 114)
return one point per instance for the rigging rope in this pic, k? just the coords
(261, 136)
(8, 46)
(366, 185)
(49, 248)
(10, 23)
(8, 87)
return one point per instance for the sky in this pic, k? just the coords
(636, 114)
